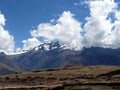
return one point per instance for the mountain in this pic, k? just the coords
(8, 64)
(2, 53)
(100, 56)
(48, 55)
(54, 55)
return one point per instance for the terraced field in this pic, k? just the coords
(70, 78)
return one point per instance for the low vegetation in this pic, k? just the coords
(69, 78)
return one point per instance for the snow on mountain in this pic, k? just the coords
(50, 46)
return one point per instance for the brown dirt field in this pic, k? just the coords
(59, 77)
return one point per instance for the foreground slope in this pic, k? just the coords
(85, 77)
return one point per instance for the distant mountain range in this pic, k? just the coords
(54, 55)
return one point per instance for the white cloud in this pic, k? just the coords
(99, 26)
(2, 19)
(30, 44)
(99, 29)
(116, 32)
(6, 40)
(66, 30)
(117, 14)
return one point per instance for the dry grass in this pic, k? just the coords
(50, 78)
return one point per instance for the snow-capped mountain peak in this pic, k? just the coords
(50, 46)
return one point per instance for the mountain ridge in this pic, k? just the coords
(54, 55)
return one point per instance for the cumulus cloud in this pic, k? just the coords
(100, 28)
(116, 32)
(6, 40)
(27, 45)
(66, 30)
(30, 43)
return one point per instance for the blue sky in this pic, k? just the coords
(24, 15)
(64, 20)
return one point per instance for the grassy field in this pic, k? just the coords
(70, 78)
